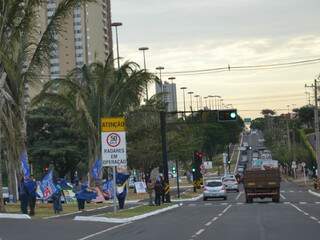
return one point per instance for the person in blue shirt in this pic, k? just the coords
(56, 200)
(31, 187)
(23, 197)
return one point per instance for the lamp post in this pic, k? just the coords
(190, 93)
(197, 99)
(184, 99)
(144, 49)
(116, 25)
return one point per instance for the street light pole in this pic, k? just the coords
(160, 77)
(197, 99)
(184, 99)
(144, 49)
(116, 25)
(190, 93)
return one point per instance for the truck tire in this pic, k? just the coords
(204, 198)
(249, 200)
(276, 199)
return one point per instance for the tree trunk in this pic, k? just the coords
(2, 207)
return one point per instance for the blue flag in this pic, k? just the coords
(121, 178)
(47, 186)
(24, 164)
(96, 169)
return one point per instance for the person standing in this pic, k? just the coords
(23, 197)
(163, 192)
(56, 198)
(31, 186)
(150, 190)
(158, 192)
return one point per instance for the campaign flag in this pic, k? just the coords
(24, 164)
(47, 186)
(107, 188)
(121, 178)
(96, 169)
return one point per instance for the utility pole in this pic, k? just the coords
(288, 133)
(316, 122)
(165, 154)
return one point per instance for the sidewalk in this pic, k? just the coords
(300, 182)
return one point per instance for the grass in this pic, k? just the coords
(135, 211)
(46, 209)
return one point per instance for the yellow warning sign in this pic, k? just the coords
(113, 124)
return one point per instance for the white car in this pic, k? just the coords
(230, 183)
(214, 189)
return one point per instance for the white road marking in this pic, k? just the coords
(238, 196)
(214, 219)
(224, 203)
(286, 202)
(317, 202)
(291, 191)
(63, 215)
(200, 231)
(283, 197)
(302, 203)
(282, 191)
(208, 204)
(104, 231)
(208, 224)
(240, 203)
(220, 214)
(226, 209)
(314, 218)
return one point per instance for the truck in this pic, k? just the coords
(262, 181)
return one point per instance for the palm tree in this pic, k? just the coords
(96, 91)
(24, 51)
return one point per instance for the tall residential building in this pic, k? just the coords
(170, 97)
(87, 36)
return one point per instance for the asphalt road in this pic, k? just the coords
(296, 217)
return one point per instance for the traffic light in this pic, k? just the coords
(228, 115)
(174, 170)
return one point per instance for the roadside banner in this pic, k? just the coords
(96, 169)
(140, 187)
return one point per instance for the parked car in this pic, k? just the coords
(230, 183)
(214, 189)
(5, 194)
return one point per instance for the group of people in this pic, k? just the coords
(158, 187)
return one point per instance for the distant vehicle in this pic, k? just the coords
(262, 182)
(172, 175)
(214, 189)
(230, 183)
(240, 169)
(131, 182)
(5, 194)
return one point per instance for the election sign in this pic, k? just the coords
(113, 139)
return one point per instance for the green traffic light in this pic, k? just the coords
(193, 169)
(233, 115)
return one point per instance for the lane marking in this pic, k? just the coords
(238, 196)
(317, 202)
(208, 204)
(226, 209)
(104, 231)
(283, 197)
(200, 231)
(240, 203)
(220, 214)
(314, 218)
(224, 203)
(286, 202)
(282, 191)
(302, 203)
(291, 191)
(208, 224)
(214, 219)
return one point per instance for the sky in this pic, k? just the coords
(185, 35)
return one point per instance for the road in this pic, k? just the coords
(296, 217)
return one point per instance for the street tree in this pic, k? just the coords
(24, 51)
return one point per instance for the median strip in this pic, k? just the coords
(14, 216)
(128, 215)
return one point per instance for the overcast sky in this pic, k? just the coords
(200, 34)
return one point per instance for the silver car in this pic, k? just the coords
(214, 189)
(230, 183)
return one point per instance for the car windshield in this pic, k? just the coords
(214, 184)
(229, 180)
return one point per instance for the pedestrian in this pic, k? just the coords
(31, 186)
(23, 197)
(163, 189)
(150, 188)
(56, 200)
(80, 200)
(121, 195)
(158, 192)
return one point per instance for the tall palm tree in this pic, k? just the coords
(96, 91)
(24, 52)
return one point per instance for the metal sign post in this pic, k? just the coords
(304, 172)
(114, 189)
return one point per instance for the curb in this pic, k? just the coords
(314, 193)
(188, 199)
(125, 220)
(14, 216)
